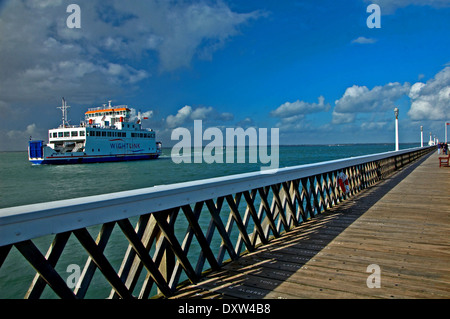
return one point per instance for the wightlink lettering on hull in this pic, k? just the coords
(130, 146)
(107, 134)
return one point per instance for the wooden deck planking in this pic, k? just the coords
(401, 224)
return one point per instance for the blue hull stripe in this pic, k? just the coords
(82, 160)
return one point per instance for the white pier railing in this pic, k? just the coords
(181, 230)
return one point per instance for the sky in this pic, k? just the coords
(312, 68)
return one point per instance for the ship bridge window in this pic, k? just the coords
(74, 133)
(60, 134)
(66, 134)
(98, 133)
(81, 133)
(103, 133)
(55, 134)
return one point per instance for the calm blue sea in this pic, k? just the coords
(22, 183)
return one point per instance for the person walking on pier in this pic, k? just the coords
(439, 148)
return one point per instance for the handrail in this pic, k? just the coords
(298, 193)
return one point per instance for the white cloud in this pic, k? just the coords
(187, 113)
(359, 99)
(179, 119)
(29, 131)
(119, 44)
(44, 3)
(148, 114)
(177, 31)
(373, 125)
(293, 123)
(246, 123)
(364, 40)
(100, 58)
(201, 113)
(342, 118)
(293, 115)
(414, 92)
(134, 114)
(42, 59)
(389, 6)
(431, 100)
(17, 138)
(300, 107)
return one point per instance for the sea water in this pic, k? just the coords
(22, 183)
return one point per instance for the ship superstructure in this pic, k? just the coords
(108, 134)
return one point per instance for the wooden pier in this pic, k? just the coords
(401, 225)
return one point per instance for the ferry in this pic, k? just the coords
(108, 134)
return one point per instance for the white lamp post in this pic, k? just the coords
(396, 128)
(421, 136)
(446, 124)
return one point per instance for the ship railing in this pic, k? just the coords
(67, 126)
(106, 107)
(148, 242)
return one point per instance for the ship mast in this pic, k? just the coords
(64, 108)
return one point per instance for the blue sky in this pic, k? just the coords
(314, 69)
